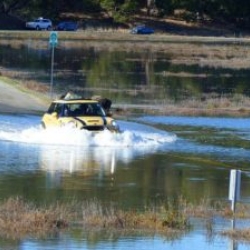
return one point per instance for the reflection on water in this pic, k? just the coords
(117, 240)
(101, 152)
(242, 124)
(129, 75)
(88, 161)
(69, 156)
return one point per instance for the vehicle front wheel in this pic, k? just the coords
(37, 28)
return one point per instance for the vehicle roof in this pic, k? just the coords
(75, 101)
(41, 19)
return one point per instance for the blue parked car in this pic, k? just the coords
(142, 30)
(67, 26)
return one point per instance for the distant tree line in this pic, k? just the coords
(232, 11)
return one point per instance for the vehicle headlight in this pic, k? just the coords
(115, 125)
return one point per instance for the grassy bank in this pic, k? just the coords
(31, 87)
(191, 107)
(122, 35)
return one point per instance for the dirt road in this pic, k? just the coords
(13, 100)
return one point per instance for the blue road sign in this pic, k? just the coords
(53, 39)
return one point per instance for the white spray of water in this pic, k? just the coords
(131, 137)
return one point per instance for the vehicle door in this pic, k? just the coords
(54, 115)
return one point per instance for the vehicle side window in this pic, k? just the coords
(59, 109)
(95, 109)
(56, 107)
(66, 111)
(100, 110)
(51, 108)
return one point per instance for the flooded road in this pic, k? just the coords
(154, 158)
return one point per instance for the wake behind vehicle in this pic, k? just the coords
(81, 113)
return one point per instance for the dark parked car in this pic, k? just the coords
(142, 30)
(67, 26)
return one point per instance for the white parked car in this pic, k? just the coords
(39, 24)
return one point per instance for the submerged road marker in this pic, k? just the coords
(234, 187)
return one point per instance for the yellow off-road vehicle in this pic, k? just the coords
(81, 113)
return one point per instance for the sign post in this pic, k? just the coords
(234, 187)
(53, 40)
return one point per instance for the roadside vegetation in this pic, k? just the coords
(19, 218)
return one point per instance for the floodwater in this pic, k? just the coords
(154, 159)
(143, 161)
(129, 74)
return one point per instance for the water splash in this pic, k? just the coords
(133, 135)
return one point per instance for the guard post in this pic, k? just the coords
(53, 40)
(234, 187)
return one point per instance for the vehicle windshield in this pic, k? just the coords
(83, 109)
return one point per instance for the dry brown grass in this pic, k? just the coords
(212, 104)
(238, 234)
(208, 209)
(161, 220)
(132, 220)
(21, 80)
(19, 218)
